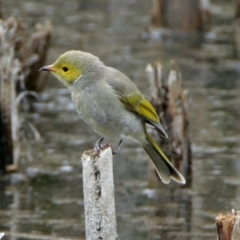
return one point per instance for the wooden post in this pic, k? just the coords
(228, 226)
(99, 203)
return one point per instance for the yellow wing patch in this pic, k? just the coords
(139, 104)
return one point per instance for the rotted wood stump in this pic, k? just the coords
(170, 102)
(228, 226)
(20, 59)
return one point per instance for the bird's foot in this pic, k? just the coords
(114, 151)
(98, 147)
(119, 145)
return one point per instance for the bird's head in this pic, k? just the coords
(70, 66)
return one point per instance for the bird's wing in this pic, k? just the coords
(134, 100)
(139, 104)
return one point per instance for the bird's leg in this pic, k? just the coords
(98, 146)
(118, 147)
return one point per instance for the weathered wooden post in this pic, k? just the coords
(99, 203)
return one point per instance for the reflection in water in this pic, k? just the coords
(46, 202)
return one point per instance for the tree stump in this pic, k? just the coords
(20, 60)
(182, 21)
(228, 226)
(183, 15)
(170, 102)
(9, 121)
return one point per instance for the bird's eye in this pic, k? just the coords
(65, 69)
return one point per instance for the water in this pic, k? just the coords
(46, 200)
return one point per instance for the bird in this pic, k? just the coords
(112, 105)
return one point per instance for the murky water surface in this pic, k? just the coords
(46, 201)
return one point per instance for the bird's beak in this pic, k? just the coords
(47, 68)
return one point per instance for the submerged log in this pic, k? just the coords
(170, 101)
(228, 226)
(99, 203)
(20, 60)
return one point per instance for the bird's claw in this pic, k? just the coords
(98, 147)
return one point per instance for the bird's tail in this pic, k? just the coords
(163, 166)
